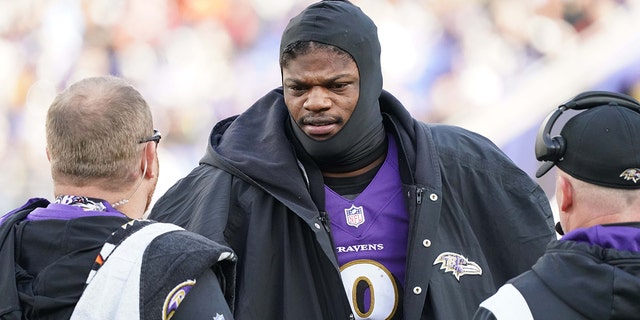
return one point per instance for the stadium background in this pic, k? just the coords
(493, 66)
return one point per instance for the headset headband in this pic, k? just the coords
(552, 149)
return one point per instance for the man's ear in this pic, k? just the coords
(46, 150)
(148, 163)
(564, 194)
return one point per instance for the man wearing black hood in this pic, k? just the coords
(340, 205)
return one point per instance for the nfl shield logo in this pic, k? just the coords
(354, 215)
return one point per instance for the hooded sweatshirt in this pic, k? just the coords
(591, 273)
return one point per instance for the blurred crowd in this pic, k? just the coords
(199, 61)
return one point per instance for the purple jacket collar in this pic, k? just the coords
(61, 212)
(619, 236)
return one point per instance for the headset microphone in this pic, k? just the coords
(559, 228)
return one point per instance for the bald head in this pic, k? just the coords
(582, 204)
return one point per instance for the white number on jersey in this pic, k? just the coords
(371, 289)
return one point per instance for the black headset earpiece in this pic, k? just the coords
(552, 149)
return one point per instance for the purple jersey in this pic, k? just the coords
(370, 237)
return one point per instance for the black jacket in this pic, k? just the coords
(48, 276)
(574, 281)
(45, 264)
(462, 193)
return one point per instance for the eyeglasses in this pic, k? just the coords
(155, 137)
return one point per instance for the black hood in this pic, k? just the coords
(343, 25)
(256, 147)
(592, 280)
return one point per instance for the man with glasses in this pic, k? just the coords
(89, 254)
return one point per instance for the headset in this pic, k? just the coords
(553, 148)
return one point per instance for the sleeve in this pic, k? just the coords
(507, 303)
(509, 212)
(199, 202)
(204, 301)
(517, 224)
(483, 314)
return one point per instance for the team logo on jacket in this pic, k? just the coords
(175, 297)
(457, 264)
(632, 174)
(354, 216)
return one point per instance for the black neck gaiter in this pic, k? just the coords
(362, 139)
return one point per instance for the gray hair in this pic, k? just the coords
(93, 131)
